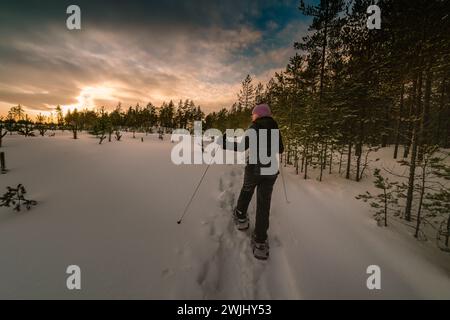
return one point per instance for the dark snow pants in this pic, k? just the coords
(264, 185)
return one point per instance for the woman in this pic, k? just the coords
(261, 119)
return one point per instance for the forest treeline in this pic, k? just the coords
(351, 90)
(133, 119)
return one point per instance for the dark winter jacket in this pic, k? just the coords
(261, 123)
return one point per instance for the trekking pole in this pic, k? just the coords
(198, 186)
(284, 184)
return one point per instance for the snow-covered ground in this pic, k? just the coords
(112, 210)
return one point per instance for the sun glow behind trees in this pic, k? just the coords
(89, 96)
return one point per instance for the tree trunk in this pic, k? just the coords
(324, 48)
(305, 176)
(410, 120)
(2, 163)
(361, 138)
(303, 160)
(385, 208)
(321, 161)
(399, 122)
(441, 115)
(324, 163)
(412, 172)
(349, 159)
(415, 147)
(331, 158)
(419, 210)
(448, 231)
(425, 114)
(385, 136)
(288, 148)
(358, 164)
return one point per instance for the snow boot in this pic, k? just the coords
(260, 249)
(242, 224)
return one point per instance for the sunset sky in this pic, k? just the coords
(141, 51)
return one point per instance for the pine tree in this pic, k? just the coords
(131, 119)
(436, 190)
(102, 126)
(17, 113)
(117, 121)
(246, 96)
(259, 94)
(41, 126)
(73, 121)
(26, 127)
(383, 202)
(166, 115)
(59, 117)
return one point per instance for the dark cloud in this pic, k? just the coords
(140, 51)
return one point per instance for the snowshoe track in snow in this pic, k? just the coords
(232, 270)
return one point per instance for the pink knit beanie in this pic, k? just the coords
(262, 110)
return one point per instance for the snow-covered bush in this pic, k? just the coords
(15, 197)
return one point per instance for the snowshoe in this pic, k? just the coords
(242, 224)
(260, 249)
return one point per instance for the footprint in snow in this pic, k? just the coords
(221, 185)
(166, 273)
(276, 241)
